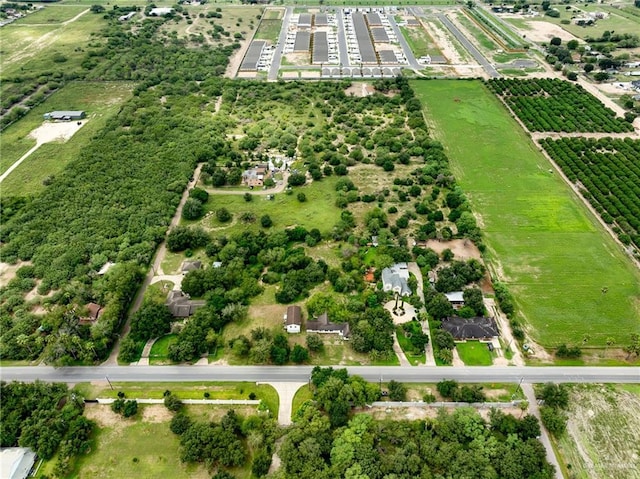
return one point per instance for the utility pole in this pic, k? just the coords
(110, 385)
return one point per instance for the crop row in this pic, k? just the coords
(608, 174)
(545, 104)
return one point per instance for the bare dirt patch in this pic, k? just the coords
(56, 131)
(156, 413)
(8, 271)
(462, 249)
(360, 89)
(104, 416)
(603, 433)
(540, 31)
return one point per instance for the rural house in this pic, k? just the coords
(190, 265)
(160, 11)
(293, 319)
(472, 328)
(181, 306)
(395, 279)
(456, 298)
(323, 326)
(256, 176)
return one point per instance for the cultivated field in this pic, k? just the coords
(542, 242)
(603, 433)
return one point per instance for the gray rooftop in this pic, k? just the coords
(250, 61)
(379, 35)
(320, 48)
(367, 52)
(473, 328)
(303, 42)
(373, 19)
(304, 20)
(321, 20)
(387, 56)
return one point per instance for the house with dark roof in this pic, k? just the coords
(322, 325)
(293, 319)
(190, 265)
(472, 328)
(181, 306)
(395, 279)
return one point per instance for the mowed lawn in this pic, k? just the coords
(541, 240)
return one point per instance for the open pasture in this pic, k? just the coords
(99, 100)
(553, 255)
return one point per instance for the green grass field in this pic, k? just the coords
(99, 100)
(32, 48)
(52, 14)
(269, 29)
(541, 240)
(318, 211)
(160, 348)
(155, 448)
(474, 353)
(407, 347)
(420, 41)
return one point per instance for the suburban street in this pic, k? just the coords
(285, 374)
(408, 53)
(342, 40)
(277, 55)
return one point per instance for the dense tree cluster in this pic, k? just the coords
(545, 104)
(608, 175)
(460, 444)
(47, 418)
(265, 347)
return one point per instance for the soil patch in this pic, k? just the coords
(56, 131)
(360, 89)
(104, 416)
(8, 271)
(539, 31)
(462, 249)
(156, 413)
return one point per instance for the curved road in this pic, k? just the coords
(286, 374)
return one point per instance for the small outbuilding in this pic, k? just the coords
(293, 319)
(456, 298)
(160, 11)
(94, 311)
(65, 115)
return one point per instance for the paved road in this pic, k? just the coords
(277, 55)
(544, 435)
(285, 374)
(493, 73)
(413, 63)
(342, 40)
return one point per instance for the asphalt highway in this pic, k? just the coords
(284, 374)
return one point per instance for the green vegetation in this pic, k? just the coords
(420, 41)
(99, 100)
(474, 353)
(269, 30)
(608, 176)
(314, 447)
(556, 105)
(523, 218)
(603, 429)
(123, 449)
(407, 334)
(48, 418)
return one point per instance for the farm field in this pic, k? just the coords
(603, 433)
(556, 105)
(541, 240)
(607, 176)
(99, 100)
